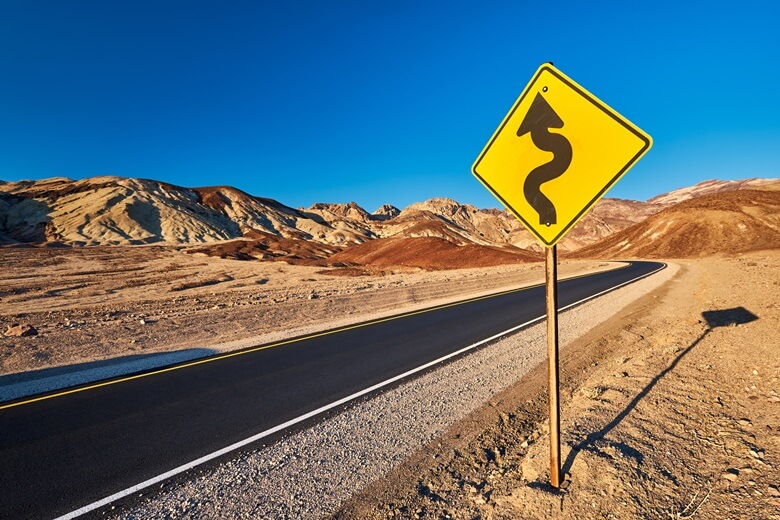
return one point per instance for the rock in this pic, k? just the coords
(594, 392)
(24, 330)
(756, 454)
(313, 296)
(774, 491)
(730, 474)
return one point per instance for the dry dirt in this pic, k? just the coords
(671, 411)
(431, 253)
(98, 303)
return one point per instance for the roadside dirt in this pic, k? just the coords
(98, 303)
(670, 411)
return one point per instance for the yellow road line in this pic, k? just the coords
(284, 342)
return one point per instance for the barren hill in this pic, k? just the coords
(114, 210)
(707, 188)
(721, 223)
(464, 223)
(226, 221)
(386, 211)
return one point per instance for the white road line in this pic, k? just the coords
(240, 444)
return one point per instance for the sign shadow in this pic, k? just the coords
(714, 319)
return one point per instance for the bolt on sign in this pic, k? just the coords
(556, 153)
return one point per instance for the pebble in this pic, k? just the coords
(22, 331)
(730, 474)
(469, 488)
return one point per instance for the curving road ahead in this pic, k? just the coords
(74, 452)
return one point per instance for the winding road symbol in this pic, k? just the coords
(538, 121)
(556, 153)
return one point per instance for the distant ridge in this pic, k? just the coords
(113, 210)
(226, 221)
(707, 188)
(719, 223)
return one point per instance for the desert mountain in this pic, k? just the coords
(386, 211)
(721, 222)
(228, 222)
(114, 210)
(465, 224)
(708, 187)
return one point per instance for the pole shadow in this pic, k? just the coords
(716, 318)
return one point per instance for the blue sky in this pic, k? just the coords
(372, 101)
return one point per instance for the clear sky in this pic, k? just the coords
(372, 101)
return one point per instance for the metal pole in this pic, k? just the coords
(551, 278)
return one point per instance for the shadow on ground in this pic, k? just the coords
(24, 384)
(717, 318)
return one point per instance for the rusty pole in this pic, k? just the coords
(551, 279)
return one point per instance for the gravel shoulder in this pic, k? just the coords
(373, 444)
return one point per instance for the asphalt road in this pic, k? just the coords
(60, 454)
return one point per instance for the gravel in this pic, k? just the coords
(310, 473)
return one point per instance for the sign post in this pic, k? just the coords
(551, 282)
(555, 154)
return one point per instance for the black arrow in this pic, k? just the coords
(539, 119)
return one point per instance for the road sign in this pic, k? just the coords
(556, 153)
(552, 158)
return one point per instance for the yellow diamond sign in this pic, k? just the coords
(556, 153)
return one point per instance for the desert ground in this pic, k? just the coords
(107, 302)
(670, 409)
